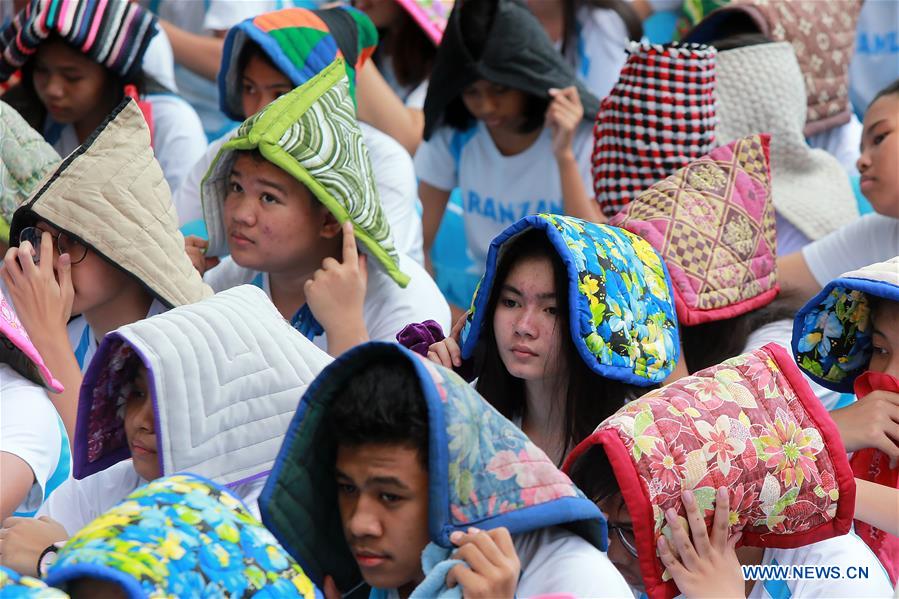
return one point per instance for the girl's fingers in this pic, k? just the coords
(721, 520)
(669, 560)
(681, 541)
(454, 351)
(696, 521)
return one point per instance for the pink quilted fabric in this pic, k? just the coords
(713, 223)
(751, 424)
(17, 350)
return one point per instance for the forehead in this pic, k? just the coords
(532, 273)
(389, 460)
(261, 71)
(886, 318)
(885, 108)
(615, 509)
(56, 52)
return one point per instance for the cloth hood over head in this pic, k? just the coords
(751, 424)
(621, 305)
(517, 54)
(224, 376)
(301, 43)
(311, 133)
(482, 470)
(110, 193)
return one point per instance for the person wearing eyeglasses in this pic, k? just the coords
(98, 242)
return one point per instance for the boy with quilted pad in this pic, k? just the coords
(748, 432)
(290, 196)
(395, 474)
(268, 55)
(207, 388)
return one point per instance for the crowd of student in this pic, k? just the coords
(237, 360)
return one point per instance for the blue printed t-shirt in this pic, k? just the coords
(498, 190)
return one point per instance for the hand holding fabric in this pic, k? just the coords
(703, 567)
(872, 421)
(492, 563)
(196, 250)
(563, 117)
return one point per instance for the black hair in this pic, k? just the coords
(29, 105)
(711, 343)
(381, 404)
(589, 398)
(625, 11)
(409, 49)
(593, 474)
(475, 20)
(250, 51)
(890, 90)
(740, 40)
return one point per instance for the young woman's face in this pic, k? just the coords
(382, 494)
(261, 84)
(272, 221)
(525, 321)
(96, 282)
(140, 428)
(383, 13)
(879, 160)
(886, 339)
(71, 86)
(618, 517)
(501, 108)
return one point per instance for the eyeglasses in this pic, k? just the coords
(65, 244)
(626, 536)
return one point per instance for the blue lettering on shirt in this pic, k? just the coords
(507, 212)
(872, 43)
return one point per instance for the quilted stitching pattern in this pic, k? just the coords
(111, 194)
(224, 386)
(17, 350)
(658, 117)
(482, 469)
(312, 134)
(760, 89)
(25, 159)
(713, 223)
(183, 536)
(750, 424)
(619, 297)
(832, 333)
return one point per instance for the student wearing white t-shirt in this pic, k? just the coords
(499, 126)
(872, 238)
(592, 36)
(290, 210)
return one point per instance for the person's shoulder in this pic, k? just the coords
(556, 560)
(604, 23)
(228, 274)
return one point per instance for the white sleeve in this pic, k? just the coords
(582, 145)
(69, 506)
(434, 162)
(225, 14)
(872, 238)
(29, 431)
(395, 178)
(178, 137)
(228, 274)
(187, 199)
(416, 98)
(842, 143)
(563, 563)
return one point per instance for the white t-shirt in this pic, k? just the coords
(847, 551)
(394, 177)
(497, 190)
(599, 48)
(781, 333)
(789, 238)
(842, 142)
(84, 343)
(78, 502)
(387, 308)
(178, 137)
(555, 560)
(29, 430)
(870, 239)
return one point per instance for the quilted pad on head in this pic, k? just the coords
(621, 307)
(832, 332)
(658, 116)
(225, 376)
(750, 424)
(182, 536)
(713, 222)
